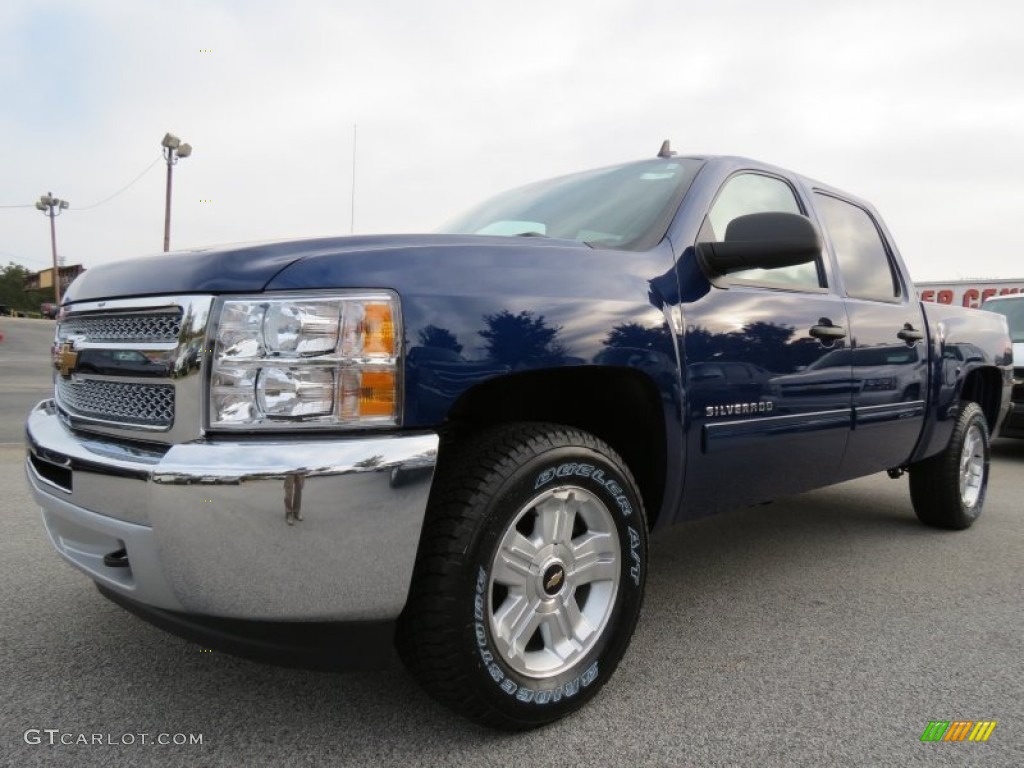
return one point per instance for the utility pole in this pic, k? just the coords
(52, 207)
(173, 149)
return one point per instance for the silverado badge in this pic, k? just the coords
(65, 359)
(739, 409)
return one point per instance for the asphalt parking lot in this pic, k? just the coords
(24, 371)
(826, 629)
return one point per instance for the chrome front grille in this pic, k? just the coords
(116, 401)
(131, 366)
(146, 327)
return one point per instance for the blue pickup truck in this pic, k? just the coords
(460, 441)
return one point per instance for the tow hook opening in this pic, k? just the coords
(116, 559)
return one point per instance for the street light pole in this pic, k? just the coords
(173, 149)
(167, 205)
(53, 207)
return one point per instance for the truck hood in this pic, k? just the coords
(247, 268)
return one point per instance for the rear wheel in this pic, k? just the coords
(948, 489)
(530, 575)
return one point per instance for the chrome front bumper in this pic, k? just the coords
(309, 529)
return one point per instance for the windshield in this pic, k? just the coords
(624, 206)
(1014, 312)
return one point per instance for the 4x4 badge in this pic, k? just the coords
(66, 359)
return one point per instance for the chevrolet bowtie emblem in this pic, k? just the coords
(554, 581)
(66, 359)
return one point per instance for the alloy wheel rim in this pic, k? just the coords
(972, 466)
(554, 579)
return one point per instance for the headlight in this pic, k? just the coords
(305, 362)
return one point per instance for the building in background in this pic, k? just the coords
(43, 280)
(967, 293)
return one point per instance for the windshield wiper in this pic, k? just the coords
(541, 234)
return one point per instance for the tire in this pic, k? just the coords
(504, 623)
(948, 489)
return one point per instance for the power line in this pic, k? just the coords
(22, 258)
(18, 259)
(122, 189)
(104, 200)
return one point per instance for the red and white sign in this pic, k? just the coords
(967, 293)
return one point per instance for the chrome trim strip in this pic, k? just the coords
(902, 406)
(718, 435)
(868, 415)
(785, 417)
(163, 348)
(143, 303)
(49, 438)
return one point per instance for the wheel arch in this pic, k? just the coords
(620, 406)
(984, 387)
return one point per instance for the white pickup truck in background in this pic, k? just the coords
(1012, 307)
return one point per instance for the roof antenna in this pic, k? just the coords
(666, 150)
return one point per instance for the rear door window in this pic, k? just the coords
(861, 253)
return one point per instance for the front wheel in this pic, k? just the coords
(948, 489)
(529, 579)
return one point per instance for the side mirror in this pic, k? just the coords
(762, 241)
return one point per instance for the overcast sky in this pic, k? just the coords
(916, 106)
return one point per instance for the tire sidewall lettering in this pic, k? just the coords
(540, 692)
(505, 683)
(577, 469)
(634, 555)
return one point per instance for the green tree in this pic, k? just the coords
(635, 336)
(514, 339)
(12, 289)
(432, 336)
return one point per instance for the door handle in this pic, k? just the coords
(910, 334)
(826, 331)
